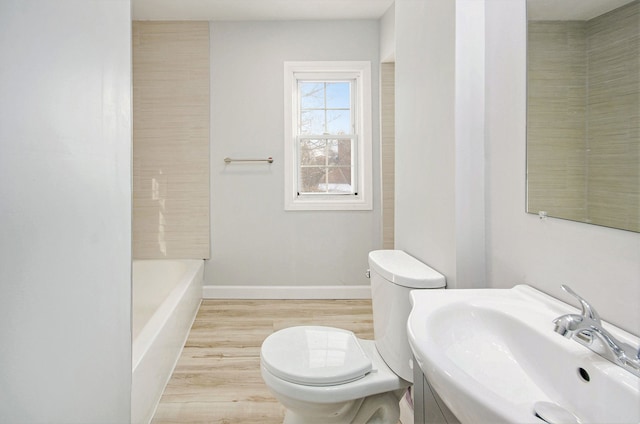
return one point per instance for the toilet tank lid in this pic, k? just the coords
(404, 270)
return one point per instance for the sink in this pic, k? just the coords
(492, 356)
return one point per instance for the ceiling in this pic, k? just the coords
(258, 10)
(285, 10)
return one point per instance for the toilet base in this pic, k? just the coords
(382, 408)
(342, 413)
(372, 399)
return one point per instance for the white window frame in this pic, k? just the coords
(362, 177)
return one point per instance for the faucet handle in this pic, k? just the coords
(588, 311)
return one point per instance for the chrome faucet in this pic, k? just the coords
(587, 330)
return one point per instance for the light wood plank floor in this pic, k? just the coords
(217, 379)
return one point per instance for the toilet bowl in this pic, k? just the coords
(326, 375)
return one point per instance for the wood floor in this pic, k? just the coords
(217, 379)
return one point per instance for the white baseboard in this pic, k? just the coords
(286, 292)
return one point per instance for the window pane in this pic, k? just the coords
(319, 179)
(339, 122)
(311, 95)
(313, 179)
(312, 122)
(339, 180)
(313, 152)
(339, 152)
(325, 166)
(339, 95)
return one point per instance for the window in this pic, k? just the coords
(328, 136)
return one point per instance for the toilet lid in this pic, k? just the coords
(315, 356)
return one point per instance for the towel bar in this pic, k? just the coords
(229, 160)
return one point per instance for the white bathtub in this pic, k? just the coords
(166, 297)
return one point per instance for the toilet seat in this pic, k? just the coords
(315, 356)
(381, 379)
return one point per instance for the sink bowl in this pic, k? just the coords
(492, 356)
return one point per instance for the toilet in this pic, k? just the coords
(326, 375)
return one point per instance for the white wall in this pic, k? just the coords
(440, 210)
(425, 133)
(65, 190)
(388, 35)
(254, 241)
(470, 144)
(601, 264)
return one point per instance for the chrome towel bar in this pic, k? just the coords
(229, 160)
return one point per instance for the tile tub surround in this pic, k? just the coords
(388, 132)
(171, 140)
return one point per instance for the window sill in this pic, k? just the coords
(299, 204)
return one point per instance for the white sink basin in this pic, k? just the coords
(492, 354)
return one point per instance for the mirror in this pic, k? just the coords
(583, 111)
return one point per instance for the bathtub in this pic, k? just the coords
(166, 297)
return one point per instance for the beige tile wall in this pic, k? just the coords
(583, 137)
(556, 173)
(388, 131)
(613, 138)
(171, 140)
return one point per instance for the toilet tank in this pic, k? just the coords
(394, 274)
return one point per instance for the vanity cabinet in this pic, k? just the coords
(428, 407)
